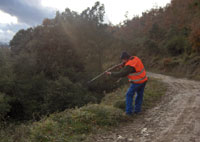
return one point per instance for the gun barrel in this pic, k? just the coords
(109, 69)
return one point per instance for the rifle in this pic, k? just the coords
(109, 69)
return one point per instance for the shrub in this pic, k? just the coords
(120, 104)
(170, 63)
(176, 45)
(167, 61)
(104, 115)
(4, 105)
(151, 46)
(72, 125)
(195, 37)
(63, 94)
(154, 90)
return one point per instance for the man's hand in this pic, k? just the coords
(108, 73)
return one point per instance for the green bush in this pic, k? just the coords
(120, 104)
(177, 45)
(63, 94)
(15, 133)
(4, 105)
(73, 125)
(154, 90)
(104, 115)
(151, 47)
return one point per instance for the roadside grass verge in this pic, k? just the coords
(74, 125)
(77, 124)
(154, 90)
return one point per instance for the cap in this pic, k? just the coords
(125, 55)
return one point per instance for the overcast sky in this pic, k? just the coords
(21, 14)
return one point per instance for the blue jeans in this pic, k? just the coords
(139, 89)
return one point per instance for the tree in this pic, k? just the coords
(195, 36)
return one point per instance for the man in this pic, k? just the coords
(134, 69)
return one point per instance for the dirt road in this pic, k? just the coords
(175, 119)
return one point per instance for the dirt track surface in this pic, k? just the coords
(175, 119)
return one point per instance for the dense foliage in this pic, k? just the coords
(46, 68)
(166, 38)
(79, 124)
(170, 25)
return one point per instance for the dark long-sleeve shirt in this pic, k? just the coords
(123, 72)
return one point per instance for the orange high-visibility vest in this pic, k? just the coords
(140, 75)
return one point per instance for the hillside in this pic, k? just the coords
(176, 118)
(79, 124)
(45, 71)
(167, 38)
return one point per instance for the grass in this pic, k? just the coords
(153, 93)
(75, 125)
(154, 90)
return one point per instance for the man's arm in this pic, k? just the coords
(123, 72)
